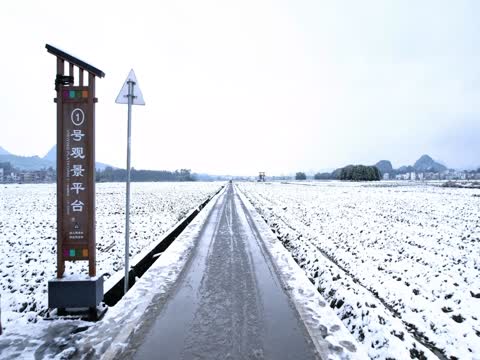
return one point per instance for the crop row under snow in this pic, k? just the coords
(28, 235)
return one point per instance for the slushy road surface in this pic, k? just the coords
(228, 303)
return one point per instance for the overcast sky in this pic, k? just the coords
(236, 87)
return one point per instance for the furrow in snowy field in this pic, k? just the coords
(414, 247)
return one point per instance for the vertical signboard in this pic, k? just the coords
(78, 164)
(75, 160)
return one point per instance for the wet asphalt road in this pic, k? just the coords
(228, 302)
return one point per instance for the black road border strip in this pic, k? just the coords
(115, 293)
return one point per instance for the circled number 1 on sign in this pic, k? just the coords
(77, 116)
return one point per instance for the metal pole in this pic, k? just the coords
(131, 84)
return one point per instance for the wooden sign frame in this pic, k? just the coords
(75, 161)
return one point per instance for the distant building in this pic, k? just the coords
(420, 176)
(386, 176)
(27, 177)
(15, 177)
(431, 176)
(413, 176)
(1, 175)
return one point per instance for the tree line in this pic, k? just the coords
(109, 174)
(360, 173)
(350, 172)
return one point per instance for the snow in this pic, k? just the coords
(399, 263)
(28, 237)
(331, 338)
(110, 335)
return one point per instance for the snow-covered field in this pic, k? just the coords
(399, 262)
(28, 235)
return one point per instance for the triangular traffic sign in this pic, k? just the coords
(122, 97)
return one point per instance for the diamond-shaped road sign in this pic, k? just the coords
(122, 98)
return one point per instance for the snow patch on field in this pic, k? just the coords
(399, 264)
(329, 335)
(28, 236)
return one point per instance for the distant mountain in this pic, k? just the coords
(102, 166)
(424, 164)
(3, 151)
(427, 164)
(406, 169)
(35, 162)
(52, 154)
(385, 166)
(27, 162)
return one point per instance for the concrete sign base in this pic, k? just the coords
(71, 296)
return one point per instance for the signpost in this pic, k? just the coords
(75, 182)
(132, 95)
